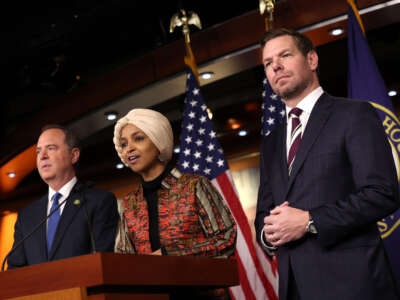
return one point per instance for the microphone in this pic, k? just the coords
(17, 245)
(89, 184)
(80, 189)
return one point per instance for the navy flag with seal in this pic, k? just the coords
(366, 83)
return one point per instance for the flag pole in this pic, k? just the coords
(268, 6)
(202, 154)
(183, 19)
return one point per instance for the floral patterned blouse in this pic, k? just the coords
(193, 219)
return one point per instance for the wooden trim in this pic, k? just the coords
(76, 293)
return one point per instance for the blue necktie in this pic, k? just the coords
(53, 221)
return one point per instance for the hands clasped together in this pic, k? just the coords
(285, 224)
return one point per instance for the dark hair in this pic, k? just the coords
(71, 139)
(302, 42)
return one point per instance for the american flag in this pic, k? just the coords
(273, 109)
(201, 153)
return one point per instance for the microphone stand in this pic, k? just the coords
(88, 184)
(17, 245)
(90, 226)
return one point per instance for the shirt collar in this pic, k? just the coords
(65, 190)
(308, 102)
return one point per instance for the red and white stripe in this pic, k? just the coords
(258, 275)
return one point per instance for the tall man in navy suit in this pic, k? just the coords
(57, 153)
(327, 177)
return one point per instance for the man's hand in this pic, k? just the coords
(285, 224)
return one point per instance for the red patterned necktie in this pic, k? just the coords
(295, 136)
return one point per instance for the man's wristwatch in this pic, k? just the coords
(311, 226)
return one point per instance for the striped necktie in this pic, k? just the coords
(53, 221)
(295, 136)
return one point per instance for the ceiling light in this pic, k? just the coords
(11, 174)
(177, 150)
(336, 31)
(119, 166)
(111, 115)
(252, 106)
(392, 93)
(209, 113)
(235, 126)
(207, 75)
(233, 123)
(242, 133)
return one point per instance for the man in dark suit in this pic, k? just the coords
(66, 232)
(327, 176)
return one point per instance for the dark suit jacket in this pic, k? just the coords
(344, 175)
(72, 237)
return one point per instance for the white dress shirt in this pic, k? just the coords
(306, 105)
(64, 191)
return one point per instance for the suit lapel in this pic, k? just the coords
(67, 216)
(41, 215)
(316, 122)
(283, 152)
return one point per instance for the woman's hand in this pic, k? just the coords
(157, 252)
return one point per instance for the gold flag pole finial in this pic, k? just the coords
(269, 7)
(184, 20)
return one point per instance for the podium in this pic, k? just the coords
(110, 276)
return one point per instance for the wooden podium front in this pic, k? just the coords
(111, 276)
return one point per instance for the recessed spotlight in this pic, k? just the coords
(209, 113)
(11, 174)
(177, 150)
(336, 31)
(234, 124)
(207, 75)
(242, 133)
(119, 166)
(392, 93)
(111, 115)
(76, 16)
